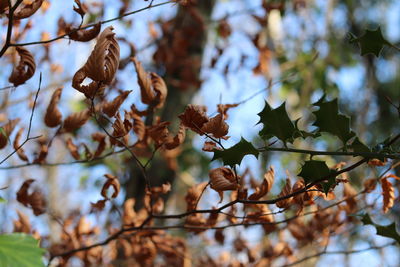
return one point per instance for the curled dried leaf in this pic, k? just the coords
(160, 89)
(25, 69)
(22, 194)
(223, 179)
(216, 126)
(265, 186)
(73, 149)
(194, 118)
(81, 8)
(98, 206)
(111, 108)
(299, 198)
(223, 109)
(76, 120)
(112, 181)
(101, 64)
(20, 150)
(121, 128)
(101, 138)
(44, 149)
(388, 195)
(145, 83)
(35, 200)
(193, 194)
(159, 132)
(349, 192)
(83, 35)
(209, 146)
(174, 142)
(27, 10)
(286, 190)
(138, 126)
(53, 116)
(6, 130)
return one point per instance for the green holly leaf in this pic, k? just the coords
(235, 154)
(371, 42)
(359, 146)
(329, 120)
(20, 249)
(277, 123)
(326, 186)
(386, 231)
(314, 170)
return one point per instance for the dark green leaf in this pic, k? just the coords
(326, 186)
(386, 231)
(235, 154)
(359, 146)
(314, 170)
(277, 123)
(371, 42)
(20, 249)
(329, 120)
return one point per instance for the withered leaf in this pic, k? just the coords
(265, 186)
(20, 150)
(111, 108)
(53, 116)
(145, 83)
(209, 146)
(25, 69)
(286, 190)
(27, 10)
(73, 149)
(6, 131)
(388, 195)
(76, 120)
(83, 35)
(194, 118)
(193, 194)
(138, 126)
(100, 66)
(81, 8)
(22, 194)
(160, 88)
(101, 138)
(112, 181)
(159, 132)
(178, 139)
(223, 179)
(216, 126)
(35, 200)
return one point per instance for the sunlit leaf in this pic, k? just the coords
(20, 249)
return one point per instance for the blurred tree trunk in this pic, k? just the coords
(178, 59)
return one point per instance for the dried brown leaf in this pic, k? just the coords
(73, 149)
(178, 139)
(44, 149)
(112, 181)
(194, 118)
(160, 89)
(83, 35)
(145, 83)
(101, 138)
(209, 146)
(216, 126)
(22, 194)
(76, 120)
(159, 132)
(286, 190)
(20, 150)
(6, 131)
(81, 8)
(265, 186)
(101, 64)
(27, 10)
(388, 195)
(25, 69)
(223, 109)
(53, 116)
(222, 179)
(98, 206)
(111, 108)
(193, 194)
(138, 126)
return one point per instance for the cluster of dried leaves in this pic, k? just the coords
(140, 236)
